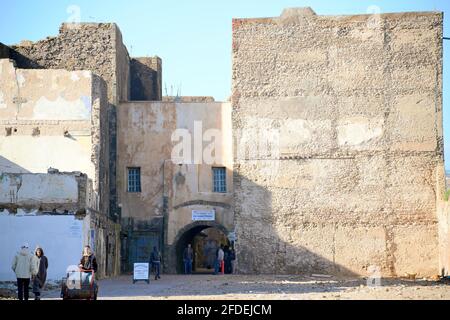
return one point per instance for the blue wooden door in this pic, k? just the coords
(141, 247)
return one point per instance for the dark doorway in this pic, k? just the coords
(204, 240)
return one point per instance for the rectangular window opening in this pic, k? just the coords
(134, 179)
(219, 180)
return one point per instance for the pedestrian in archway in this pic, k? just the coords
(219, 260)
(227, 259)
(22, 266)
(155, 259)
(40, 262)
(188, 256)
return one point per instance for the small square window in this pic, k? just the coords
(219, 180)
(134, 179)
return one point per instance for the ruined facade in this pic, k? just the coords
(55, 121)
(330, 152)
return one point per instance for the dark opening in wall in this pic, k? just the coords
(36, 132)
(8, 131)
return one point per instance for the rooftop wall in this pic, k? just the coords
(146, 78)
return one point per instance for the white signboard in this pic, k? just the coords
(141, 271)
(203, 215)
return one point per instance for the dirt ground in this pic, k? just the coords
(265, 287)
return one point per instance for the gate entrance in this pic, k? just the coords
(204, 240)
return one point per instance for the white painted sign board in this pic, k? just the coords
(203, 215)
(141, 272)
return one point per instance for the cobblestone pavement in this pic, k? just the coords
(265, 287)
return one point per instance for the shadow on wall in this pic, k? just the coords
(260, 248)
(8, 166)
(21, 61)
(143, 82)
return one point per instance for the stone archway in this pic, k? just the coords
(185, 236)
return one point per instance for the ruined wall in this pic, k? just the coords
(96, 47)
(54, 119)
(146, 77)
(49, 192)
(352, 108)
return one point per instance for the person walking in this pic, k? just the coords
(188, 256)
(40, 262)
(155, 259)
(22, 266)
(227, 260)
(219, 260)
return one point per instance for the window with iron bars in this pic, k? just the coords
(134, 179)
(219, 180)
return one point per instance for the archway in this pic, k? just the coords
(204, 238)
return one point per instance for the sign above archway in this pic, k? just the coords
(203, 215)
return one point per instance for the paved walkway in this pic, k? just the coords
(206, 287)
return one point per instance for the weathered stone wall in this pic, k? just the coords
(444, 237)
(146, 77)
(96, 47)
(351, 107)
(103, 235)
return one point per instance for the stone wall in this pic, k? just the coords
(103, 235)
(444, 237)
(146, 77)
(351, 108)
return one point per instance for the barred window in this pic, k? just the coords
(134, 179)
(219, 180)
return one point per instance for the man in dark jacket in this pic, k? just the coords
(188, 256)
(155, 260)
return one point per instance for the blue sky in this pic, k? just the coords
(193, 37)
